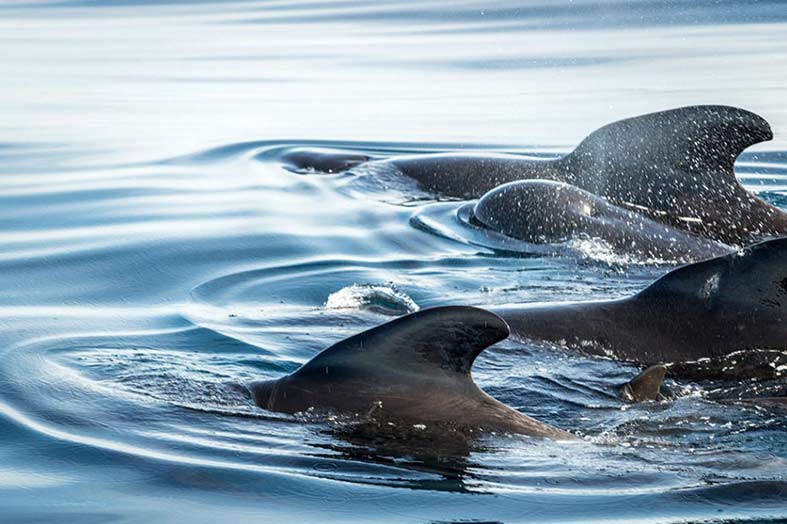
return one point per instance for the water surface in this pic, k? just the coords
(155, 255)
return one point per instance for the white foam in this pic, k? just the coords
(381, 298)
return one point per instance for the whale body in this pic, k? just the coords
(675, 167)
(707, 309)
(545, 211)
(411, 372)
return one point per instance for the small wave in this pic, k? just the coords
(385, 299)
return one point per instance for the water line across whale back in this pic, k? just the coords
(675, 167)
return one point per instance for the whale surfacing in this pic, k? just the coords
(413, 371)
(674, 166)
(707, 309)
(545, 211)
(645, 386)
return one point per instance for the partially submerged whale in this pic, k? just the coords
(411, 372)
(750, 377)
(545, 211)
(645, 386)
(673, 166)
(755, 365)
(764, 390)
(707, 309)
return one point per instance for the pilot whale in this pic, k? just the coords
(673, 166)
(707, 309)
(764, 390)
(411, 372)
(545, 211)
(645, 386)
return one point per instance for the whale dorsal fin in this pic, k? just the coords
(750, 283)
(645, 386)
(422, 343)
(691, 139)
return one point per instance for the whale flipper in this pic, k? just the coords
(411, 372)
(645, 386)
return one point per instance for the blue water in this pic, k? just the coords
(155, 255)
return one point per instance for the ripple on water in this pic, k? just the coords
(155, 397)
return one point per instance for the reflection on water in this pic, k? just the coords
(140, 297)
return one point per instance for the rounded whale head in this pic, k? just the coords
(538, 210)
(546, 211)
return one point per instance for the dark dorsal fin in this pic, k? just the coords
(447, 338)
(691, 139)
(645, 386)
(751, 282)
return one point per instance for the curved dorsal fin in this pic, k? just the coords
(752, 282)
(691, 139)
(448, 338)
(645, 386)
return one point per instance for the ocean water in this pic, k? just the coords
(156, 255)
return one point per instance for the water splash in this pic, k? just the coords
(385, 299)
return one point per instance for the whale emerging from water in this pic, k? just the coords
(766, 390)
(411, 372)
(707, 309)
(645, 386)
(545, 211)
(675, 167)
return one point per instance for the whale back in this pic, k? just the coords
(677, 166)
(399, 363)
(709, 309)
(695, 141)
(745, 291)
